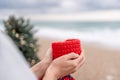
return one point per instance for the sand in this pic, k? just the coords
(102, 63)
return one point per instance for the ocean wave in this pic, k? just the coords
(106, 36)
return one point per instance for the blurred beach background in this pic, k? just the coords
(95, 22)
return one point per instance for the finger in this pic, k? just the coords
(81, 63)
(49, 53)
(81, 58)
(82, 53)
(71, 56)
(77, 60)
(78, 65)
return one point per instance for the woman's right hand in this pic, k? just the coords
(64, 65)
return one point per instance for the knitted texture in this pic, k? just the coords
(62, 48)
(68, 77)
(66, 47)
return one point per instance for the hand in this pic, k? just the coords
(40, 68)
(64, 65)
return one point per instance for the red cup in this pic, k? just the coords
(66, 47)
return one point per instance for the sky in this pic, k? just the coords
(58, 6)
(86, 10)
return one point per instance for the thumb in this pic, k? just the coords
(49, 53)
(71, 56)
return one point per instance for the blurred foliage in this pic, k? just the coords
(21, 33)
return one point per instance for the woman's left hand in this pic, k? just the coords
(40, 68)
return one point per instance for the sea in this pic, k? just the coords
(107, 33)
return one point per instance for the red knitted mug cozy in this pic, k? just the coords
(62, 48)
(66, 47)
